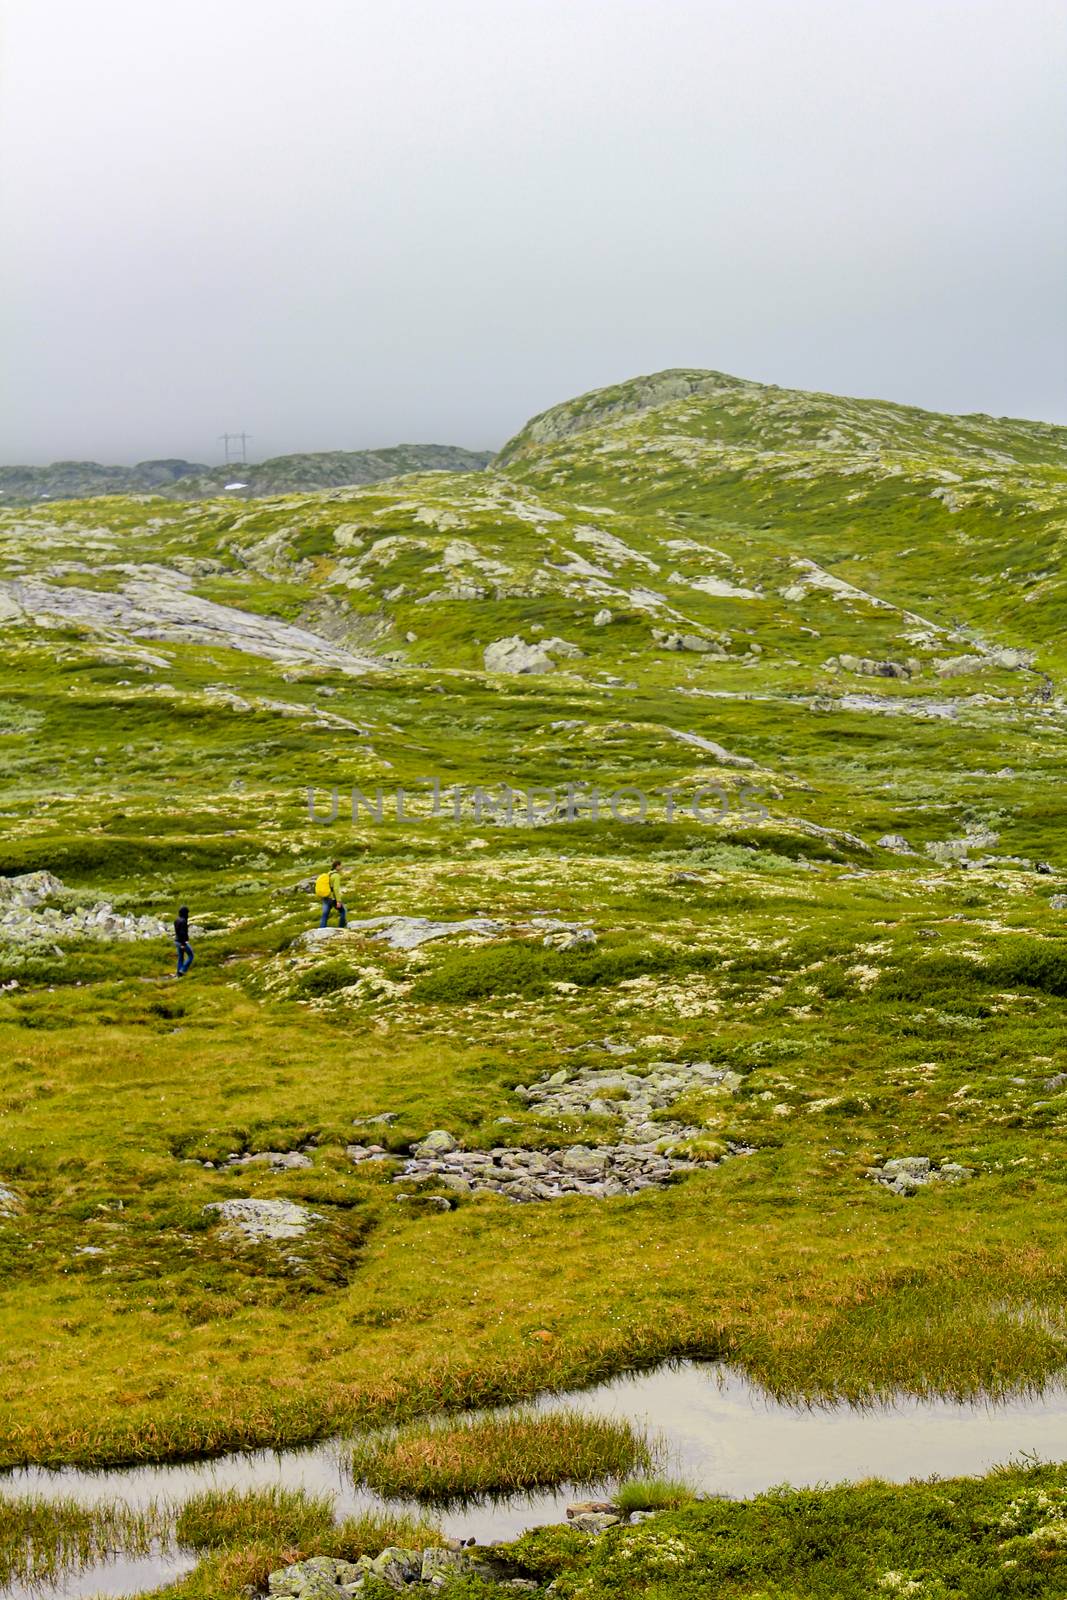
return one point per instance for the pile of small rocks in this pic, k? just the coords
(276, 1160)
(905, 1174)
(520, 1174)
(326, 1578)
(24, 919)
(644, 1157)
(630, 1096)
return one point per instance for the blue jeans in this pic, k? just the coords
(327, 906)
(185, 958)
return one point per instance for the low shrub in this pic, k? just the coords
(1030, 964)
(531, 970)
(326, 978)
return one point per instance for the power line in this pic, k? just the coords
(232, 443)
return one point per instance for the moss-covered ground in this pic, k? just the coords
(872, 1004)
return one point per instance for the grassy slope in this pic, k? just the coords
(827, 981)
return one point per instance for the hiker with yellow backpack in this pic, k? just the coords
(328, 889)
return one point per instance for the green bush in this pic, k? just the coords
(326, 978)
(531, 970)
(1030, 964)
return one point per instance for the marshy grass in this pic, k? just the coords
(499, 1455)
(242, 1536)
(225, 1519)
(41, 1538)
(234, 1570)
(653, 1494)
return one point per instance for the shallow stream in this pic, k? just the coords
(719, 1432)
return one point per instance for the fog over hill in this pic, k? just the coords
(193, 480)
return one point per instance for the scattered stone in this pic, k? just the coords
(1058, 902)
(277, 1160)
(594, 1521)
(438, 1565)
(10, 1203)
(897, 843)
(693, 642)
(867, 668)
(398, 1567)
(261, 1221)
(651, 1151)
(569, 939)
(367, 1152)
(904, 1175)
(602, 618)
(960, 666)
(26, 919)
(1057, 1082)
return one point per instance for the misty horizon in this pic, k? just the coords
(217, 460)
(344, 229)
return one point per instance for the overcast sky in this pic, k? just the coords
(339, 224)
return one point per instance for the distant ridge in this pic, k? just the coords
(193, 480)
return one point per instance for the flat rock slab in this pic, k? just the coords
(162, 608)
(260, 1221)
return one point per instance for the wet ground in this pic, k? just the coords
(717, 1431)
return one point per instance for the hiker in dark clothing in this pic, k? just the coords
(181, 940)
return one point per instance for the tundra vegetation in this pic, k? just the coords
(831, 1019)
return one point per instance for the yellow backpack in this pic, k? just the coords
(322, 886)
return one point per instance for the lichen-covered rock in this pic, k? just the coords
(397, 1567)
(439, 1565)
(261, 1221)
(439, 1142)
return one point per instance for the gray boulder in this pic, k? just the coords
(594, 1521)
(439, 1565)
(397, 1567)
(515, 656)
(865, 667)
(437, 1143)
(897, 843)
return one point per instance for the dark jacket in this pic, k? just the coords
(181, 930)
